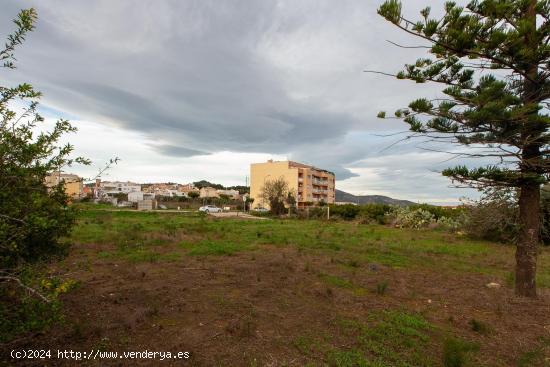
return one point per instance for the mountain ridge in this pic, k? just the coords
(342, 196)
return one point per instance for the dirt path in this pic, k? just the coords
(236, 215)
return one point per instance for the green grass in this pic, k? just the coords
(385, 338)
(193, 235)
(457, 352)
(389, 338)
(336, 281)
(398, 338)
(211, 247)
(535, 356)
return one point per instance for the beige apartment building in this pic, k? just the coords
(309, 184)
(71, 183)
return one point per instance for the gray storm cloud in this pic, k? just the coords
(200, 77)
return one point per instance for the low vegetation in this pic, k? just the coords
(382, 295)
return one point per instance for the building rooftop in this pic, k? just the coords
(300, 165)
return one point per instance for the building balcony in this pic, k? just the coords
(320, 182)
(318, 191)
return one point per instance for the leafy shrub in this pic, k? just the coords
(453, 224)
(374, 213)
(346, 212)
(26, 315)
(405, 217)
(22, 312)
(494, 216)
(439, 211)
(456, 352)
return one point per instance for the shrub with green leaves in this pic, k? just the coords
(405, 217)
(374, 213)
(32, 216)
(346, 212)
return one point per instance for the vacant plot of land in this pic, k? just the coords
(237, 292)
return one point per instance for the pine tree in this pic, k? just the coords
(493, 59)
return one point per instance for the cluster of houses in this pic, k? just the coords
(137, 192)
(310, 186)
(128, 193)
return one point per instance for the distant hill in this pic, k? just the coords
(370, 199)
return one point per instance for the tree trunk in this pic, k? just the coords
(529, 198)
(526, 252)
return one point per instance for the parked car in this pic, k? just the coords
(210, 209)
(261, 210)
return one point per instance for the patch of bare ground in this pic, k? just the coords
(250, 309)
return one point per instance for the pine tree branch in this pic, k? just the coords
(458, 52)
(401, 46)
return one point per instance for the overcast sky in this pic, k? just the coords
(188, 90)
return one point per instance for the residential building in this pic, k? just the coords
(135, 196)
(310, 185)
(109, 188)
(233, 194)
(209, 192)
(72, 184)
(164, 189)
(187, 188)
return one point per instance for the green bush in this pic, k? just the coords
(346, 212)
(457, 351)
(375, 213)
(405, 217)
(26, 315)
(439, 211)
(494, 216)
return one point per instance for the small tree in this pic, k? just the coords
(224, 199)
(32, 217)
(276, 193)
(193, 194)
(492, 57)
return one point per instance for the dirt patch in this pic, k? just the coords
(260, 307)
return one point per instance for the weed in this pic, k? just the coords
(352, 358)
(77, 332)
(213, 247)
(152, 311)
(381, 288)
(536, 356)
(391, 338)
(456, 352)
(511, 279)
(305, 344)
(336, 281)
(479, 326)
(103, 344)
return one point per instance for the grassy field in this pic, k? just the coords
(239, 292)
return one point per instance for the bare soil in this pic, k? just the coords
(250, 308)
